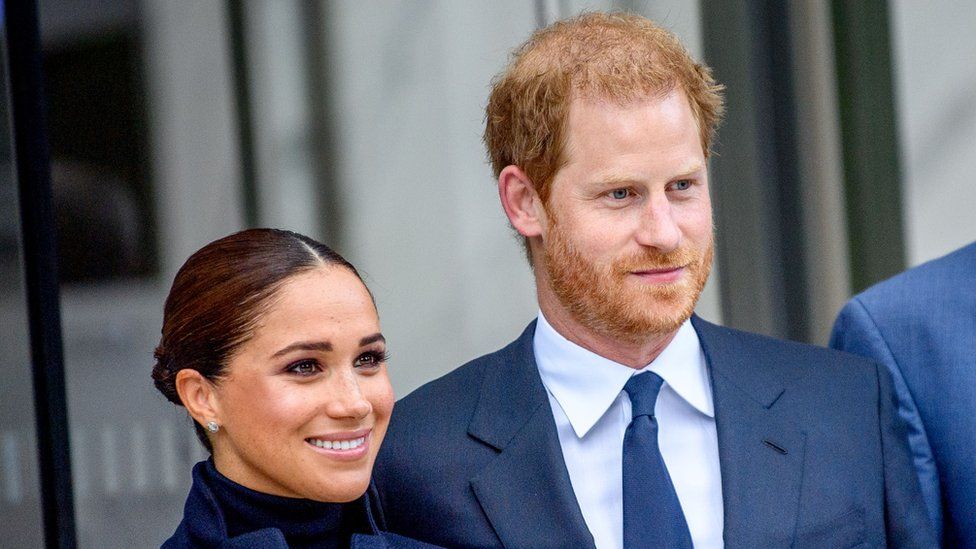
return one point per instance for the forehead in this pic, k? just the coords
(668, 110)
(654, 130)
(324, 299)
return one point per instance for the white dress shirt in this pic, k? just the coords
(592, 412)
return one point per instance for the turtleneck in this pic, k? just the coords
(304, 523)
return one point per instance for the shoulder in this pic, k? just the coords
(843, 391)
(454, 395)
(202, 519)
(203, 523)
(922, 303)
(441, 407)
(934, 279)
(807, 375)
(788, 358)
(454, 390)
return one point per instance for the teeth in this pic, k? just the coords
(338, 444)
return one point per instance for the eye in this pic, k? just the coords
(619, 194)
(681, 185)
(371, 359)
(304, 368)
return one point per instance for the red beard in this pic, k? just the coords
(607, 298)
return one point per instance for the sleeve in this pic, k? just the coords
(856, 332)
(907, 523)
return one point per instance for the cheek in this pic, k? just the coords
(379, 392)
(596, 234)
(696, 221)
(278, 406)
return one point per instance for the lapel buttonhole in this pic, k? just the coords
(775, 446)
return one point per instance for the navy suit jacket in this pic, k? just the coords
(810, 453)
(922, 325)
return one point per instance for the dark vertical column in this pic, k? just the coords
(872, 173)
(755, 172)
(242, 99)
(41, 266)
(777, 55)
(320, 65)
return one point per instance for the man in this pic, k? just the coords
(617, 419)
(921, 324)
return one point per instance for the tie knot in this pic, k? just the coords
(642, 390)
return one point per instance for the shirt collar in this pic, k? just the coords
(586, 384)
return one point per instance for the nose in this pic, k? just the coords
(657, 227)
(346, 399)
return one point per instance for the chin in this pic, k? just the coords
(648, 318)
(340, 490)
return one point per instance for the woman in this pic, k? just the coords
(272, 343)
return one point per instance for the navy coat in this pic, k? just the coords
(205, 523)
(811, 453)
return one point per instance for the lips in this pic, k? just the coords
(658, 270)
(664, 275)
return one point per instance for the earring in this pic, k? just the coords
(212, 426)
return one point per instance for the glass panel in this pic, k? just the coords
(131, 450)
(99, 173)
(20, 506)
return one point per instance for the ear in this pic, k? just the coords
(198, 396)
(521, 202)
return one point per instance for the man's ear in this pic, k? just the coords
(198, 396)
(521, 202)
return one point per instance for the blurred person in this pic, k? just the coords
(921, 324)
(618, 418)
(272, 342)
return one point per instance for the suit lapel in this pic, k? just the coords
(760, 447)
(525, 491)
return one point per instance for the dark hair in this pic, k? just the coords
(218, 296)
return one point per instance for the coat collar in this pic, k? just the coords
(761, 448)
(526, 485)
(206, 520)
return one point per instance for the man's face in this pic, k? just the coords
(628, 239)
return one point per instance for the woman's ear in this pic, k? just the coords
(198, 396)
(521, 202)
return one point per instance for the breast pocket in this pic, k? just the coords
(846, 531)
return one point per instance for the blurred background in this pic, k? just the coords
(845, 158)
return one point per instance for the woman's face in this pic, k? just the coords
(306, 401)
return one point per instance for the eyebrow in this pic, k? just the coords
(612, 179)
(304, 346)
(694, 169)
(372, 339)
(324, 346)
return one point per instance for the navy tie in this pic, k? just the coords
(652, 513)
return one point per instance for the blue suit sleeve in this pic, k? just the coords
(856, 332)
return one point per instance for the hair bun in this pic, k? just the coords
(164, 378)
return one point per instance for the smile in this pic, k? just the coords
(350, 444)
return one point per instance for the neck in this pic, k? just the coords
(633, 354)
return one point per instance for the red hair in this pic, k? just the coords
(616, 57)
